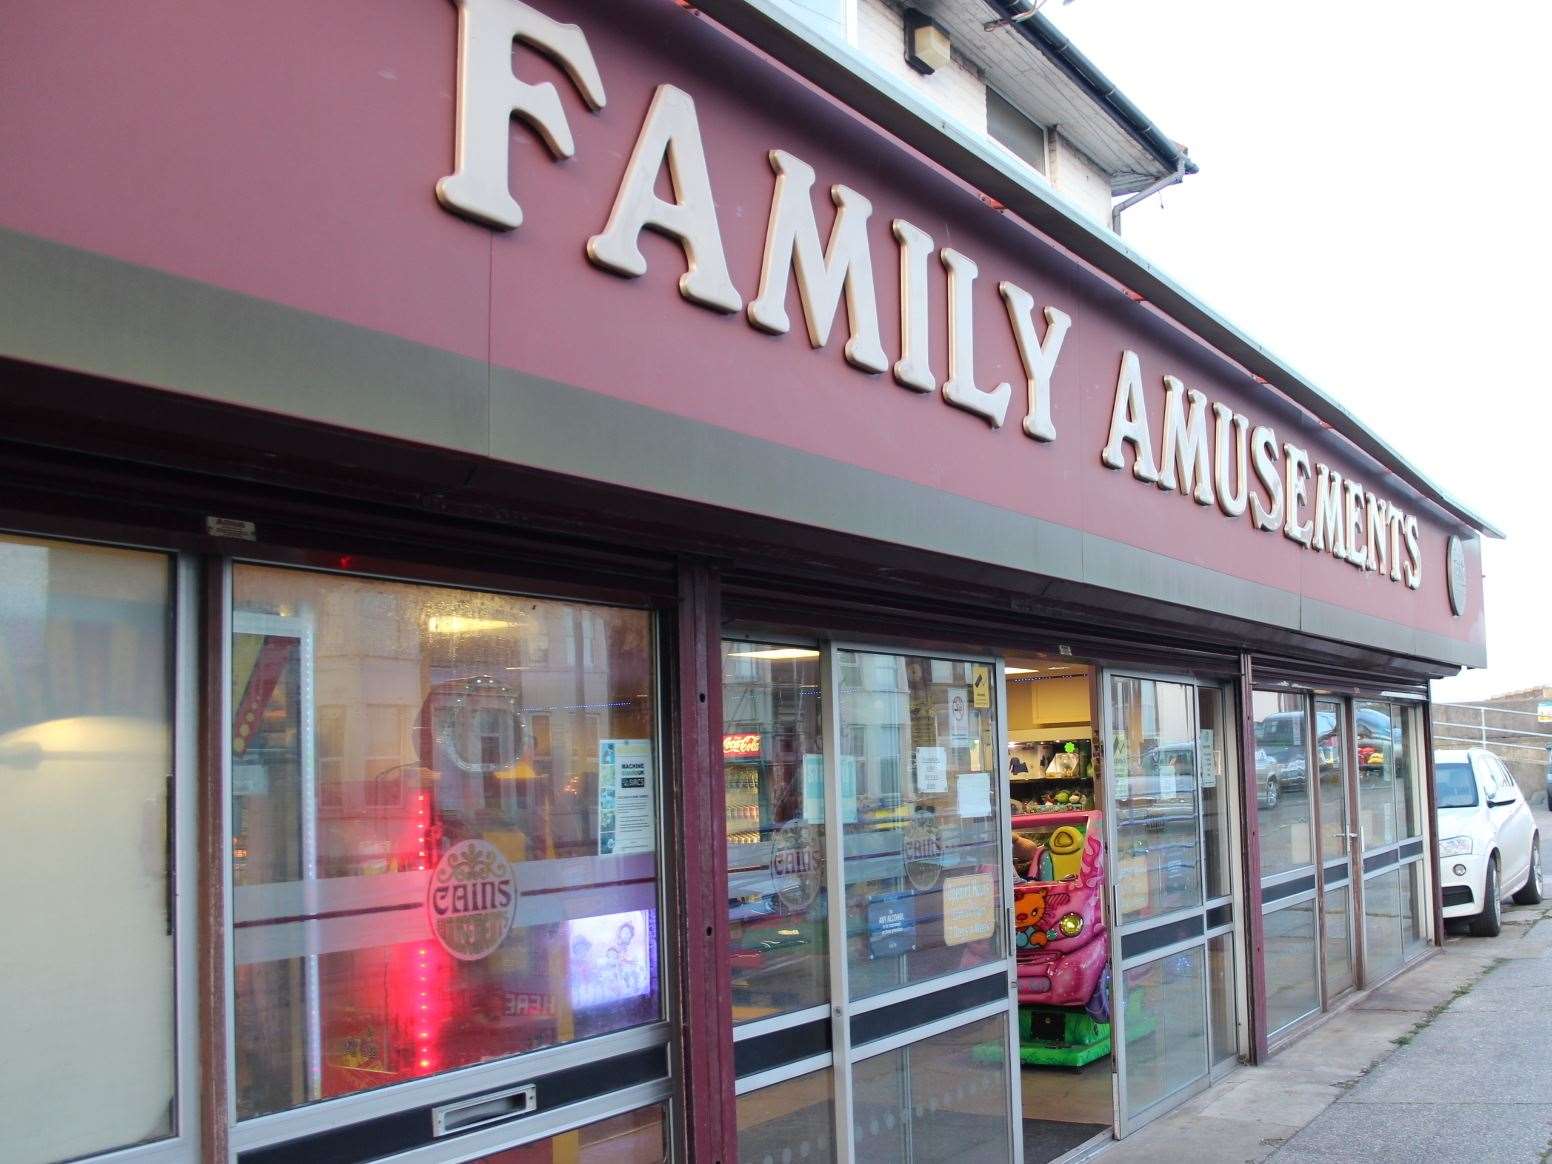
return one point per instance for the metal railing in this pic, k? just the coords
(1482, 729)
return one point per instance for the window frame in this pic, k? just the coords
(462, 1083)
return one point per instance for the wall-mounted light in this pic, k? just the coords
(926, 42)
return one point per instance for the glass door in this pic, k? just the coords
(868, 881)
(1170, 822)
(1337, 834)
(1390, 817)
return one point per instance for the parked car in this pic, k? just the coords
(1488, 844)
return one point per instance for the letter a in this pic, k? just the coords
(671, 134)
(489, 96)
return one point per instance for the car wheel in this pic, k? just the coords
(1270, 796)
(1530, 892)
(1489, 922)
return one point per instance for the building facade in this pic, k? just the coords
(551, 552)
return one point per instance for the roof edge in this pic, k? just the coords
(1056, 47)
(887, 103)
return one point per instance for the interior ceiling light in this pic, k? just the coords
(457, 624)
(1019, 670)
(776, 653)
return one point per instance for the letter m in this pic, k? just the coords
(490, 95)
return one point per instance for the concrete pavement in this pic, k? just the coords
(1450, 1062)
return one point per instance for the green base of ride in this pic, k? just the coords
(1051, 1036)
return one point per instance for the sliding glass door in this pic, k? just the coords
(1171, 840)
(868, 880)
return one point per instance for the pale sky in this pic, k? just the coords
(1369, 208)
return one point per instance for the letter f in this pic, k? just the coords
(489, 96)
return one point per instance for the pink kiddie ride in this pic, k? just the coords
(1059, 932)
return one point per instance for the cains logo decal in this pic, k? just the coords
(797, 864)
(923, 854)
(471, 899)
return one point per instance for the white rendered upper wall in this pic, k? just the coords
(874, 29)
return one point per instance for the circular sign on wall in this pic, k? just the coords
(923, 853)
(797, 864)
(1455, 572)
(470, 900)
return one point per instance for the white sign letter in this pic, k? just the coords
(1413, 567)
(792, 242)
(1185, 443)
(1296, 471)
(1328, 512)
(1263, 446)
(913, 369)
(1232, 502)
(959, 389)
(1129, 423)
(672, 134)
(489, 96)
(1039, 358)
(1357, 546)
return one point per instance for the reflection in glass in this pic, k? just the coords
(86, 963)
(794, 1120)
(443, 830)
(1382, 924)
(920, 803)
(1339, 940)
(636, 1137)
(1414, 909)
(1376, 743)
(1153, 762)
(773, 764)
(1331, 761)
(1408, 818)
(1292, 982)
(1282, 781)
(1217, 801)
(1220, 997)
(1165, 1028)
(941, 1101)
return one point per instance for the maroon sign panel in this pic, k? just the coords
(297, 158)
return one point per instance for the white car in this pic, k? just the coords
(1488, 844)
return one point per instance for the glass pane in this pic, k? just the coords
(1339, 940)
(791, 1121)
(86, 763)
(1217, 793)
(920, 804)
(1282, 781)
(1331, 758)
(1153, 759)
(637, 1137)
(1220, 997)
(1414, 909)
(773, 765)
(1408, 820)
(1375, 744)
(1292, 975)
(478, 875)
(1165, 1028)
(939, 1101)
(1382, 924)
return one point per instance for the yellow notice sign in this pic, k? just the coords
(981, 686)
(969, 908)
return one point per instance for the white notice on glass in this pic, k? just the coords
(813, 787)
(931, 769)
(626, 820)
(959, 720)
(975, 794)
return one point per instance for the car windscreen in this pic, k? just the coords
(1455, 786)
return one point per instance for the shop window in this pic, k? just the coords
(86, 762)
(1283, 796)
(1158, 858)
(636, 1137)
(773, 765)
(923, 881)
(944, 1098)
(793, 1120)
(1380, 743)
(1331, 769)
(487, 883)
